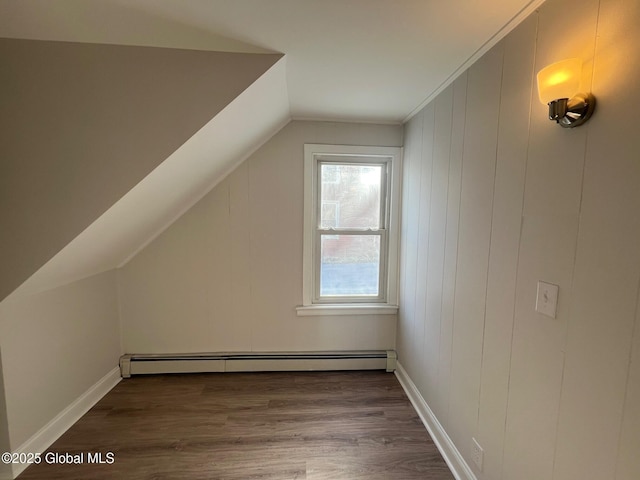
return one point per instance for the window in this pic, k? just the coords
(350, 237)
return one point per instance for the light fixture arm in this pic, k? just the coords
(573, 112)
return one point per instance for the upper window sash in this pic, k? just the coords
(381, 162)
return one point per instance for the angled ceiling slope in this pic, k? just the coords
(355, 60)
(84, 123)
(173, 187)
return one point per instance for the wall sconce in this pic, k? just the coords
(558, 86)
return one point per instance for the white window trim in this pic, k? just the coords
(308, 308)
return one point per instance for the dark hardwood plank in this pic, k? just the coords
(267, 426)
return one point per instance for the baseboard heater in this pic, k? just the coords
(139, 364)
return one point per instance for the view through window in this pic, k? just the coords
(352, 228)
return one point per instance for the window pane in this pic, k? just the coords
(330, 214)
(349, 265)
(353, 191)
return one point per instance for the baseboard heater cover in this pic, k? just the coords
(140, 364)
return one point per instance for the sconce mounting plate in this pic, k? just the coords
(577, 111)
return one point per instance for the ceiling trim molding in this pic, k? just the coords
(320, 118)
(516, 20)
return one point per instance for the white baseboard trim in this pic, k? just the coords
(448, 450)
(53, 430)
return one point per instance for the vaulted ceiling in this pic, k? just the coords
(348, 60)
(361, 60)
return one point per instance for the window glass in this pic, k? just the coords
(350, 196)
(349, 265)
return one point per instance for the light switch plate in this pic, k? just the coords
(547, 299)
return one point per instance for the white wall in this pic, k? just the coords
(55, 345)
(496, 198)
(227, 276)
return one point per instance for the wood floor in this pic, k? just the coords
(267, 426)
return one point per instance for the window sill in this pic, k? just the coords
(347, 309)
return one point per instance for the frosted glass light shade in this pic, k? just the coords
(559, 80)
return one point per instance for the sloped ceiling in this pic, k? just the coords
(94, 199)
(358, 60)
(173, 187)
(82, 124)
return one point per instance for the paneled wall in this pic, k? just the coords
(496, 197)
(227, 275)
